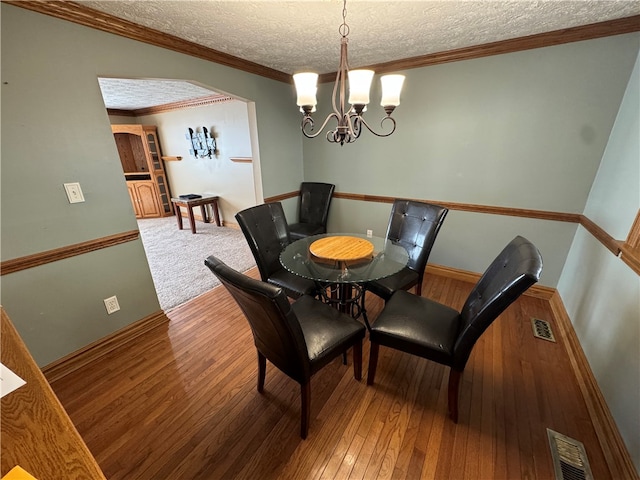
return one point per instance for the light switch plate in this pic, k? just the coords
(111, 304)
(74, 192)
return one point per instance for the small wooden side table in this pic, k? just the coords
(189, 203)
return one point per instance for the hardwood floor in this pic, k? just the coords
(181, 403)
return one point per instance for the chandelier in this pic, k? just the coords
(349, 119)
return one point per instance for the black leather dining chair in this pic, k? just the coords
(267, 232)
(415, 226)
(420, 326)
(315, 199)
(299, 338)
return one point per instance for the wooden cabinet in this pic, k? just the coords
(141, 159)
(144, 198)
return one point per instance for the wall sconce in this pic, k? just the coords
(202, 143)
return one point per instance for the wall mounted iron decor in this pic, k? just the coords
(203, 144)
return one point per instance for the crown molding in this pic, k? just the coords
(77, 13)
(82, 15)
(557, 37)
(197, 102)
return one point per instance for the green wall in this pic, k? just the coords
(523, 130)
(55, 130)
(600, 292)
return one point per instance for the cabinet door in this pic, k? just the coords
(156, 166)
(154, 150)
(148, 199)
(134, 199)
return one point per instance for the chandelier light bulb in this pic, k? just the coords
(391, 87)
(306, 87)
(359, 86)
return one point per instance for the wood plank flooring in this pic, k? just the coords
(181, 403)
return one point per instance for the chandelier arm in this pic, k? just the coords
(364, 122)
(348, 115)
(308, 121)
(339, 87)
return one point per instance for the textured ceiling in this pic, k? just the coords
(297, 35)
(138, 93)
(300, 35)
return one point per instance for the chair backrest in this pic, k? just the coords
(267, 232)
(513, 271)
(415, 226)
(276, 330)
(315, 199)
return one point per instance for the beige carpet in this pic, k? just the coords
(176, 257)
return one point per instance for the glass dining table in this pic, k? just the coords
(341, 263)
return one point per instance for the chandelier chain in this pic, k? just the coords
(344, 28)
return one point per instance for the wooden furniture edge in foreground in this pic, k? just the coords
(37, 433)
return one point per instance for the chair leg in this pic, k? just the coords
(262, 371)
(373, 362)
(419, 288)
(454, 384)
(357, 360)
(305, 410)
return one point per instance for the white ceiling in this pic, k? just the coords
(292, 36)
(139, 93)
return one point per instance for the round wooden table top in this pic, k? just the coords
(342, 248)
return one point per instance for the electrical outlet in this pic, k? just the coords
(369, 233)
(111, 304)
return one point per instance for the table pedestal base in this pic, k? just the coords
(346, 297)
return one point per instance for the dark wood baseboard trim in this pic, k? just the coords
(37, 259)
(78, 359)
(614, 449)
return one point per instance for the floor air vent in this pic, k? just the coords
(542, 329)
(569, 457)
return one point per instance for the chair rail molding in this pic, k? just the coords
(631, 258)
(42, 258)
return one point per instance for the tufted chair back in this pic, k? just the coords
(299, 338)
(267, 232)
(275, 328)
(423, 327)
(513, 271)
(315, 199)
(415, 226)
